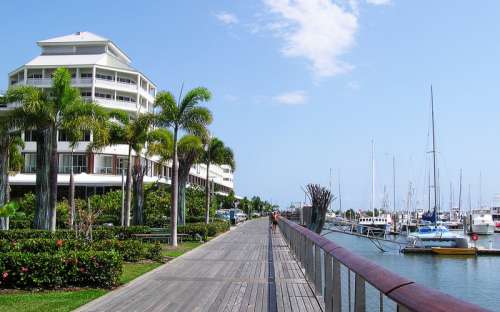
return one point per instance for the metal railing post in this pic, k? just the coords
(317, 269)
(359, 294)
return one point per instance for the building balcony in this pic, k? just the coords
(116, 104)
(47, 82)
(115, 85)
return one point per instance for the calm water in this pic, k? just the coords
(473, 279)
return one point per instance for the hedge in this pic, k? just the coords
(97, 233)
(63, 269)
(130, 250)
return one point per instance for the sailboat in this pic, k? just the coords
(381, 223)
(432, 233)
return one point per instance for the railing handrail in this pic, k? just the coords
(407, 293)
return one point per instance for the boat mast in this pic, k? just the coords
(460, 194)
(394, 190)
(434, 156)
(340, 196)
(373, 179)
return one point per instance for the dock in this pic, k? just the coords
(480, 251)
(246, 269)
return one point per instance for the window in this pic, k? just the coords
(104, 164)
(125, 80)
(122, 165)
(104, 77)
(103, 95)
(86, 75)
(29, 136)
(86, 93)
(124, 98)
(227, 170)
(30, 163)
(78, 162)
(35, 76)
(63, 136)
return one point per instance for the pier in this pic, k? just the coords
(251, 269)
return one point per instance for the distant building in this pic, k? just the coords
(103, 73)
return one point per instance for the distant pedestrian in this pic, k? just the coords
(274, 217)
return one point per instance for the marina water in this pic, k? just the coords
(470, 278)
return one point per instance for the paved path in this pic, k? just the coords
(230, 273)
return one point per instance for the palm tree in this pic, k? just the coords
(190, 149)
(186, 115)
(218, 154)
(88, 117)
(10, 142)
(131, 130)
(46, 111)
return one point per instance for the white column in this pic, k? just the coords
(43, 73)
(116, 76)
(138, 102)
(77, 76)
(93, 83)
(25, 75)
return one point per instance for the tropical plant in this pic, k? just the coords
(190, 149)
(45, 111)
(218, 154)
(8, 210)
(185, 115)
(80, 119)
(132, 130)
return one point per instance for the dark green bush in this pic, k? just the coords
(130, 250)
(98, 233)
(62, 269)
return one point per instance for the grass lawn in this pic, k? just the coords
(59, 300)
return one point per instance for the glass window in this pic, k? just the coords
(78, 161)
(29, 136)
(30, 163)
(86, 75)
(104, 76)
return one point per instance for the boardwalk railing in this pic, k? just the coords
(347, 282)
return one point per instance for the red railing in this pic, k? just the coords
(324, 261)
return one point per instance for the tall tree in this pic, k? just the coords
(83, 118)
(184, 115)
(190, 149)
(132, 130)
(218, 154)
(10, 144)
(45, 111)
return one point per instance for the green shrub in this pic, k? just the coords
(130, 250)
(98, 233)
(62, 269)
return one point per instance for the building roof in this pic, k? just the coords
(80, 36)
(78, 60)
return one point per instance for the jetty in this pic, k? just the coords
(252, 269)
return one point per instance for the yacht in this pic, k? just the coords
(482, 222)
(380, 223)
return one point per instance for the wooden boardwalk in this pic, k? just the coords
(230, 273)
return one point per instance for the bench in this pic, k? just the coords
(162, 237)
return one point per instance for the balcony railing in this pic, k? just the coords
(345, 280)
(116, 104)
(76, 169)
(104, 170)
(115, 84)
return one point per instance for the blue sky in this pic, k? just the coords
(303, 86)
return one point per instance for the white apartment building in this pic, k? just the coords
(104, 75)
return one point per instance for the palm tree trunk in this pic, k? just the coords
(207, 194)
(138, 185)
(71, 195)
(182, 200)
(42, 187)
(4, 177)
(53, 180)
(128, 187)
(175, 192)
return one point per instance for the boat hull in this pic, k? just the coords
(454, 251)
(483, 229)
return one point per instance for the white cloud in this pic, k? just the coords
(227, 18)
(318, 30)
(379, 2)
(291, 98)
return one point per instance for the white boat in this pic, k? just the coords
(482, 222)
(382, 223)
(437, 235)
(330, 216)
